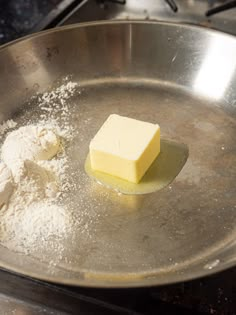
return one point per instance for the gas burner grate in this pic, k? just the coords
(172, 5)
(114, 1)
(223, 7)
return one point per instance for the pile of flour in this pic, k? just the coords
(33, 175)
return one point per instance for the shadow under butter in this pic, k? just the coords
(161, 173)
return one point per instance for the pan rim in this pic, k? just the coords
(143, 282)
(115, 22)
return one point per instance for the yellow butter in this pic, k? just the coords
(125, 147)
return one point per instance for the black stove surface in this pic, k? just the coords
(17, 18)
(22, 17)
(20, 295)
(211, 295)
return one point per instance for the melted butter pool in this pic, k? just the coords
(161, 173)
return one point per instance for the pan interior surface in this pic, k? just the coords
(185, 230)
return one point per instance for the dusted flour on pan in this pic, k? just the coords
(21, 151)
(31, 229)
(7, 125)
(33, 176)
(6, 184)
(33, 142)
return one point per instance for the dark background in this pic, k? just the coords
(19, 17)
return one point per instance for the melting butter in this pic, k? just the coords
(161, 173)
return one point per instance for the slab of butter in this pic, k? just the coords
(125, 147)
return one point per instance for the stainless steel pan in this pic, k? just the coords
(180, 76)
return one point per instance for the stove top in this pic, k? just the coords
(211, 295)
(19, 295)
(22, 17)
(187, 11)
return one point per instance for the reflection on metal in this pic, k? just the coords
(217, 69)
(212, 264)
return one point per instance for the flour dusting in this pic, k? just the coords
(35, 157)
(36, 225)
(6, 126)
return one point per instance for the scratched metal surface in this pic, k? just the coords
(154, 72)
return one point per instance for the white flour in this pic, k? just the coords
(54, 108)
(7, 125)
(34, 227)
(33, 142)
(6, 184)
(38, 162)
